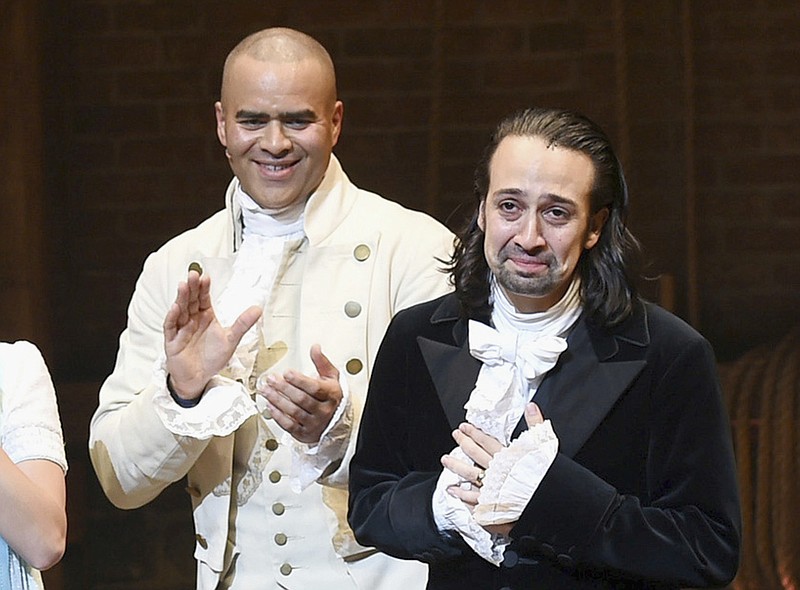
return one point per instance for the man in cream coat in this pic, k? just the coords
(250, 381)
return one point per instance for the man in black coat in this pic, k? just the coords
(543, 427)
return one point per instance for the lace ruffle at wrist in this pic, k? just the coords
(514, 474)
(224, 407)
(450, 513)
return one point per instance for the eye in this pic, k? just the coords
(507, 206)
(556, 214)
(251, 123)
(297, 124)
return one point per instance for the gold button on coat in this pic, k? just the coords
(275, 476)
(278, 508)
(352, 309)
(286, 569)
(361, 252)
(354, 366)
(201, 540)
(271, 444)
(280, 539)
(195, 266)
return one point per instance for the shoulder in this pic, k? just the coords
(209, 234)
(668, 329)
(428, 319)
(649, 332)
(23, 371)
(20, 356)
(391, 217)
(670, 339)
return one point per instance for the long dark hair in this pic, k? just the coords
(608, 270)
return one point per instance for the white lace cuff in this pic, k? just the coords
(224, 407)
(450, 513)
(309, 461)
(514, 473)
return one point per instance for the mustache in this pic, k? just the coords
(515, 251)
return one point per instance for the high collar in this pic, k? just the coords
(325, 210)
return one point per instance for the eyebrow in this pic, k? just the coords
(304, 114)
(513, 192)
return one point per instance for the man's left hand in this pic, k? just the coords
(302, 405)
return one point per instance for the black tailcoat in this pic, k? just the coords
(642, 493)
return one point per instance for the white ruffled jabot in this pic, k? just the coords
(516, 355)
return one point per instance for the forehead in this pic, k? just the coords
(527, 165)
(283, 85)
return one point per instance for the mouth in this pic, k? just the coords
(275, 170)
(529, 265)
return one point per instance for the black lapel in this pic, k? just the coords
(454, 372)
(580, 390)
(452, 368)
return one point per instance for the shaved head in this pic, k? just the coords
(282, 45)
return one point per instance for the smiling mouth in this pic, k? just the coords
(275, 167)
(275, 170)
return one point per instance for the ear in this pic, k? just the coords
(220, 115)
(336, 120)
(482, 215)
(596, 223)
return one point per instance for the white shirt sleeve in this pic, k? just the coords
(450, 513)
(30, 427)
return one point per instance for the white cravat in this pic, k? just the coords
(515, 357)
(254, 271)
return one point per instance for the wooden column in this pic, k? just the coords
(22, 290)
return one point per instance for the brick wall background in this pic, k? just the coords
(702, 99)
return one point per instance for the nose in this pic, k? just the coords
(528, 236)
(274, 140)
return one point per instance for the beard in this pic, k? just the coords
(528, 284)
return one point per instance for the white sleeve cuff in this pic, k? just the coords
(514, 474)
(224, 407)
(309, 461)
(450, 513)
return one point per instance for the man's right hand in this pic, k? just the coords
(196, 344)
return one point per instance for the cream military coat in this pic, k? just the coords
(362, 249)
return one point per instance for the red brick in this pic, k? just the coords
(348, 14)
(100, 52)
(153, 15)
(555, 37)
(390, 112)
(388, 43)
(767, 170)
(783, 64)
(372, 76)
(483, 41)
(172, 85)
(195, 50)
(236, 18)
(765, 238)
(539, 73)
(160, 152)
(108, 118)
(509, 11)
(409, 12)
(729, 137)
